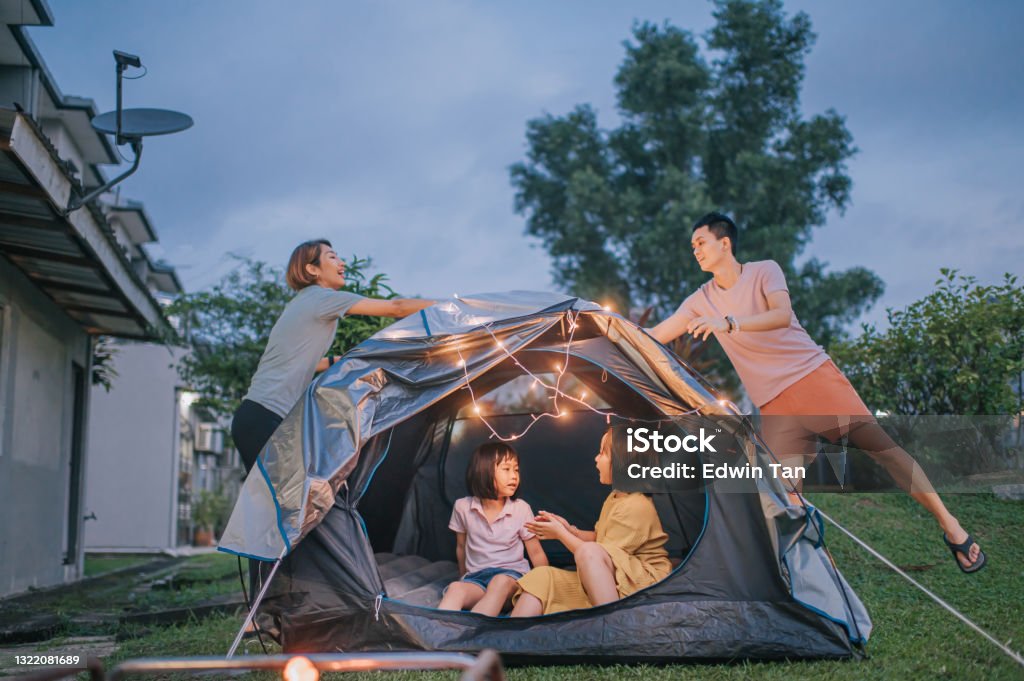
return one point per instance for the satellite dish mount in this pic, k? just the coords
(129, 126)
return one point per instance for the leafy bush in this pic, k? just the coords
(211, 510)
(957, 351)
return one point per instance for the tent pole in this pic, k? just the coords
(255, 605)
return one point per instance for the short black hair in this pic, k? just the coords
(482, 466)
(720, 225)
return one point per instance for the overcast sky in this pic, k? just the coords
(389, 127)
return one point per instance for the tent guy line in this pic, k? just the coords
(1012, 654)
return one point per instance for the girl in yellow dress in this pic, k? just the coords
(623, 554)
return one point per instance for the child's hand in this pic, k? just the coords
(546, 529)
(544, 515)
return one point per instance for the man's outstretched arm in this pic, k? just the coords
(672, 328)
(777, 316)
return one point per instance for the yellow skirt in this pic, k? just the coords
(560, 590)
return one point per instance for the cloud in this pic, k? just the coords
(389, 127)
(425, 248)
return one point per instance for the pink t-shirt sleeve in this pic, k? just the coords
(524, 514)
(458, 521)
(773, 279)
(688, 308)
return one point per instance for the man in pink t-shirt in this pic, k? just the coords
(790, 378)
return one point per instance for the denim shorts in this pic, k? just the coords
(483, 577)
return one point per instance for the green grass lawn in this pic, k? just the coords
(97, 564)
(913, 637)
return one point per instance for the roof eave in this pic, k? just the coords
(84, 231)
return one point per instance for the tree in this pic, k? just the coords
(227, 327)
(958, 350)
(614, 207)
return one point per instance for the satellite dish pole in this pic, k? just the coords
(129, 126)
(124, 60)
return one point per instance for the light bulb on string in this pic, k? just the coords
(300, 668)
(556, 390)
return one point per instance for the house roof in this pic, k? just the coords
(135, 220)
(74, 259)
(76, 113)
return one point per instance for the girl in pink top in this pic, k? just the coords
(490, 534)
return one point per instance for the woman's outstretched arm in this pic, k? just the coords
(396, 307)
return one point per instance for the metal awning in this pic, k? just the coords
(75, 260)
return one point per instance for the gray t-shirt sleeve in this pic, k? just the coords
(334, 304)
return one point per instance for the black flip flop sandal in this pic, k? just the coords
(965, 549)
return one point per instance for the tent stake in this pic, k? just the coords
(255, 605)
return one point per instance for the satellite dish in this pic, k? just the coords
(143, 122)
(129, 126)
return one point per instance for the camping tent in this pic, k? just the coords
(355, 489)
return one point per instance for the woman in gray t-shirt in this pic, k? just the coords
(299, 339)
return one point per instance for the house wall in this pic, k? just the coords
(133, 453)
(20, 84)
(38, 345)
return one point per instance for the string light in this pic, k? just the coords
(557, 392)
(300, 668)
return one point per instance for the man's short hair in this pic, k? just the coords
(720, 225)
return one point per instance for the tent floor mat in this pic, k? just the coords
(414, 579)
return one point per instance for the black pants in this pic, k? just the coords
(251, 428)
